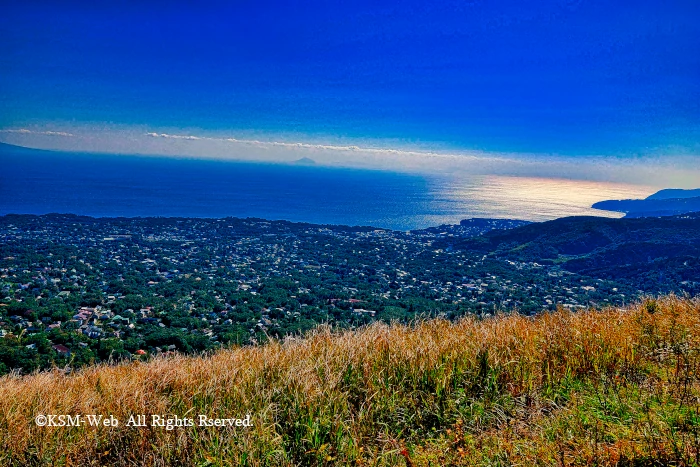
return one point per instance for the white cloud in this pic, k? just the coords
(323, 147)
(163, 135)
(24, 131)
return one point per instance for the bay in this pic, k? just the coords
(40, 182)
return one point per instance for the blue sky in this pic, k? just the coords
(574, 78)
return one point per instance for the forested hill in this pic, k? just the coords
(638, 250)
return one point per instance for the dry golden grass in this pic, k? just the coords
(618, 387)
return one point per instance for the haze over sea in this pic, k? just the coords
(130, 186)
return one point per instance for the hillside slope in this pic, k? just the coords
(644, 252)
(618, 387)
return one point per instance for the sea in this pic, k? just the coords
(100, 185)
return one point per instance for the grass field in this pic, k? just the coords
(617, 387)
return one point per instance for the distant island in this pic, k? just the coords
(304, 161)
(668, 202)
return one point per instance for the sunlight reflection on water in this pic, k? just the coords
(534, 199)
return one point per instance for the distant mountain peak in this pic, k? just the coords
(304, 161)
(668, 202)
(675, 193)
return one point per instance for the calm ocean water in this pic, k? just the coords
(109, 185)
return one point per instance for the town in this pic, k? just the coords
(79, 290)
